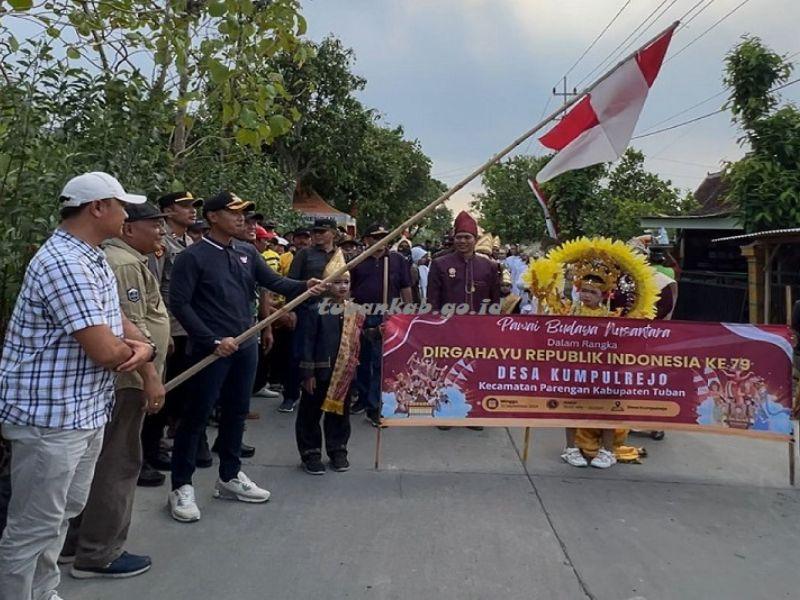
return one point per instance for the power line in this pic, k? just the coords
(682, 162)
(670, 128)
(597, 39)
(623, 42)
(707, 115)
(709, 99)
(644, 31)
(697, 14)
(688, 12)
(720, 20)
(685, 110)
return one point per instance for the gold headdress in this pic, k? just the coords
(598, 272)
(334, 264)
(609, 264)
(506, 277)
(484, 245)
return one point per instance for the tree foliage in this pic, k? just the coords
(188, 94)
(765, 184)
(344, 150)
(598, 200)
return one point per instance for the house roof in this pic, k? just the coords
(714, 212)
(712, 196)
(308, 202)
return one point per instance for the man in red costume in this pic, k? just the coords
(463, 277)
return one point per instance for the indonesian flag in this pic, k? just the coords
(599, 127)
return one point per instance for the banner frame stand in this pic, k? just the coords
(548, 424)
(378, 447)
(526, 446)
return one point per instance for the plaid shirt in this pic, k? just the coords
(46, 378)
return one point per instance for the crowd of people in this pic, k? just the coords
(125, 295)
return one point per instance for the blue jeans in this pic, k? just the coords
(368, 375)
(229, 383)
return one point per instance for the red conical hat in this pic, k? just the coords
(464, 223)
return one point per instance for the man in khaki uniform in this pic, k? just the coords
(96, 538)
(180, 211)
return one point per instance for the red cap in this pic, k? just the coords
(261, 233)
(465, 224)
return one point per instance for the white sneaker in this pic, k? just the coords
(182, 505)
(265, 392)
(604, 459)
(574, 457)
(240, 488)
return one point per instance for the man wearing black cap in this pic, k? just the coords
(180, 212)
(96, 538)
(308, 262)
(368, 288)
(213, 284)
(301, 238)
(197, 230)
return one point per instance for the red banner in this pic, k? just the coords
(709, 376)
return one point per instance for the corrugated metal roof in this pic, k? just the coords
(759, 235)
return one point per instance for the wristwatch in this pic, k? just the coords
(155, 352)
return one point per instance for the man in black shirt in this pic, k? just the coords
(308, 263)
(211, 295)
(368, 288)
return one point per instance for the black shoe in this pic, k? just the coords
(373, 420)
(161, 461)
(204, 459)
(246, 452)
(313, 466)
(357, 408)
(287, 405)
(443, 427)
(476, 428)
(339, 462)
(149, 477)
(127, 565)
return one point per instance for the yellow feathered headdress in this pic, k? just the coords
(614, 263)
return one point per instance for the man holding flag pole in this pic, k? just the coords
(597, 128)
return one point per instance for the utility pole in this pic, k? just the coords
(565, 95)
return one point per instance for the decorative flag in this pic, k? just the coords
(599, 127)
(548, 219)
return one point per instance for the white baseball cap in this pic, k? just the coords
(93, 186)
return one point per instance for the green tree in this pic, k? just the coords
(765, 184)
(598, 200)
(630, 192)
(508, 207)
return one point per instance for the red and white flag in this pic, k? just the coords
(599, 127)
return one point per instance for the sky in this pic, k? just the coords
(466, 77)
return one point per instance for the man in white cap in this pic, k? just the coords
(66, 339)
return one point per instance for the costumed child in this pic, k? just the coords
(330, 350)
(601, 269)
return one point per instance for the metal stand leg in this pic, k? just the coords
(378, 449)
(526, 445)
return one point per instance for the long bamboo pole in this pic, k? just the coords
(415, 217)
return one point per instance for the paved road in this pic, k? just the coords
(454, 515)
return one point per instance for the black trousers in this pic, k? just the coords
(308, 430)
(153, 427)
(228, 382)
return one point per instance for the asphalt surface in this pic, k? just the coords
(455, 514)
